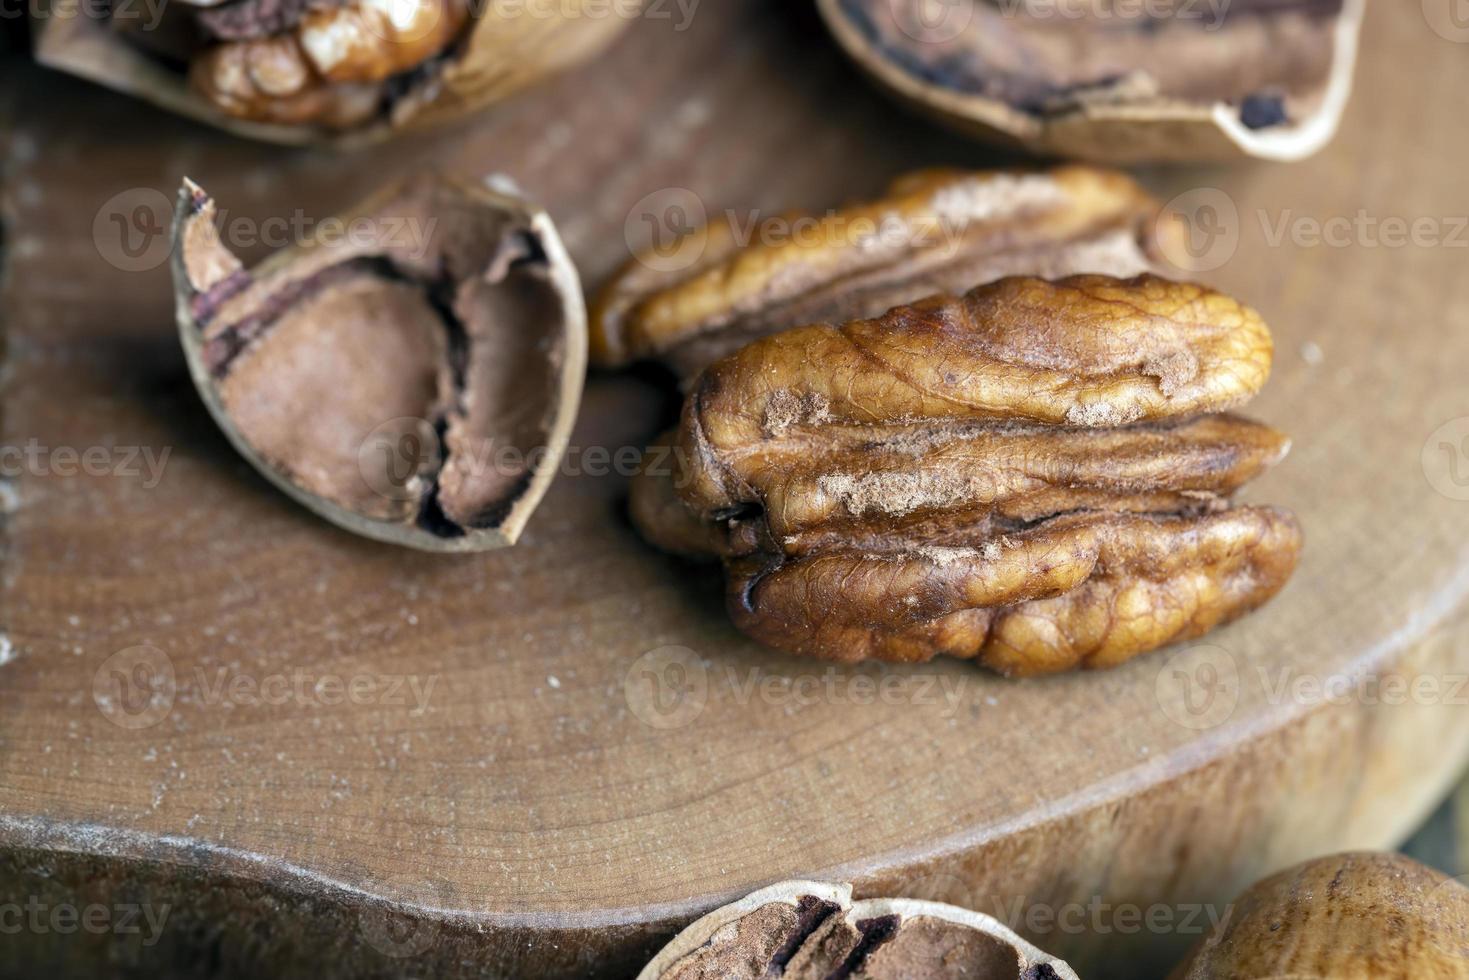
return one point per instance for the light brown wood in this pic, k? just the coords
(542, 816)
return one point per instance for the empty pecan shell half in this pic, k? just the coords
(807, 930)
(1037, 475)
(410, 372)
(934, 231)
(1114, 81)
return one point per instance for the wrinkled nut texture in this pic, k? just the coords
(934, 231)
(328, 66)
(804, 930)
(338, 72)
(1359, 916)
(414, 380)
(1120, 82)
(1037, 475)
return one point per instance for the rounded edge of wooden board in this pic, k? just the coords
(1196, 835)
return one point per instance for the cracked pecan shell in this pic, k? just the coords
(410, 372)
(807, 930)
(1116, 82)
(934, 231)
(1037, 475)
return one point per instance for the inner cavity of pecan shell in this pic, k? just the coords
(1037, 475)
(409, 377)
(814, 931)
(933, 231)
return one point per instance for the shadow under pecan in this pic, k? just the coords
(1036, 475)
(934, 231)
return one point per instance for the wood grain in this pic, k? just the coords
(542, 815)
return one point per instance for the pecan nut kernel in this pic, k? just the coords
(934, 231)
(1037, 475)
(330, 69)
(808, 930)
(414, 381)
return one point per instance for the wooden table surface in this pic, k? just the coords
(560, 753)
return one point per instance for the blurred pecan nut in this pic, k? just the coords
(1037, 475)
(933, 231)
(807, 930)
(339, 71)
(1354, 916)
(325, 64)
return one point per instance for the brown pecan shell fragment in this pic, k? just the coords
(1036, 475)
(1116, 82)
(414, 381)
(806, 930)
(934, 231)
(1356, 916)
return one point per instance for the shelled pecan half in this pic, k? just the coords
(808, 930)
(934, 231)
(1036, 475)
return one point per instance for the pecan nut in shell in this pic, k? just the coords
(338, 72)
